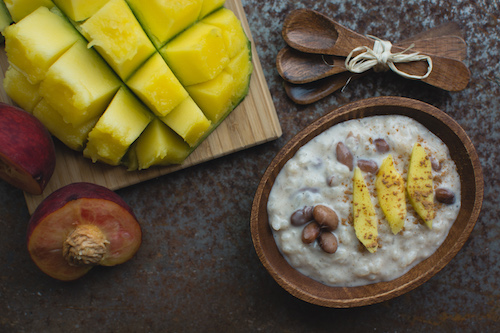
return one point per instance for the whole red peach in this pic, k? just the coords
(27, 154)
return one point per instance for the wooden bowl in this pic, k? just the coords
(462, 152)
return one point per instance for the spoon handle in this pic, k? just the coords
(453, 47)
(308, 93)
(448, 74)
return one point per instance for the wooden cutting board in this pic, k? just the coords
(253, 122)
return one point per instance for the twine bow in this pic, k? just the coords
(381, 59)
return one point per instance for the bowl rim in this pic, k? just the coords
(314, 292)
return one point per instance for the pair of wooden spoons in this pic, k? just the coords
(313, 63)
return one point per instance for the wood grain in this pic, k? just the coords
(310, 92)
(253, 122)
(299, 67)
(471, 179)
(312, 32)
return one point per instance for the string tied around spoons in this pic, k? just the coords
(380, 59)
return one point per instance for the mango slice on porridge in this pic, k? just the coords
(365, 219)
(420, 186)
(390, 188)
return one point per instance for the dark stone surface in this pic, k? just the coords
(197, 269)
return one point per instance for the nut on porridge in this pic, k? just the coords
(364, 201)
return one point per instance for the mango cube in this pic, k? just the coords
(240, 69)
(209, 6)
(120, 125)
(79, 85)
(197, 55)
(159, 145)
(235, 38)
(79, 10)
(163, 19)
(19, 9)
(118, 37)
(214, 96)
(73, 137)
(35, 43)
(188, 121)
(20, 90)
(156, 85)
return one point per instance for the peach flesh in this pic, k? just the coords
(27, 154)
(107, 224)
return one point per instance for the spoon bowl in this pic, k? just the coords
(298, 67)
(312, 32)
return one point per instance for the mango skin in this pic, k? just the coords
(365, 218)
(420, 185)
(390, 188)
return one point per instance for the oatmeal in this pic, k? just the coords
(321, 174)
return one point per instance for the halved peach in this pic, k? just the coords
(27, 155)
(79, 226)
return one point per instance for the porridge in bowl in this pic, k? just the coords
(387, 192)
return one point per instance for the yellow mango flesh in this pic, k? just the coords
(232, 31)
(157, 86)
(31, 49)
(240, 68)
(208, 6)
(118, 37)
(79, 93)
(420, 185)
(79, 10)
(390, 188)
(163, 19)
(214, 96)
(73, 137)
(197, 55)
(188, 121)
(365, 219)
(20, 90)
(120, 125)
(159, 145)
(21, 8)
(219, 96)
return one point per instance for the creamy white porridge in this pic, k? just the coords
(314, 176)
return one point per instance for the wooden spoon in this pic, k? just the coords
(312, 32)
(314, 91)
(299, 67)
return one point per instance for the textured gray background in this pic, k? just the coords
(197, 269)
